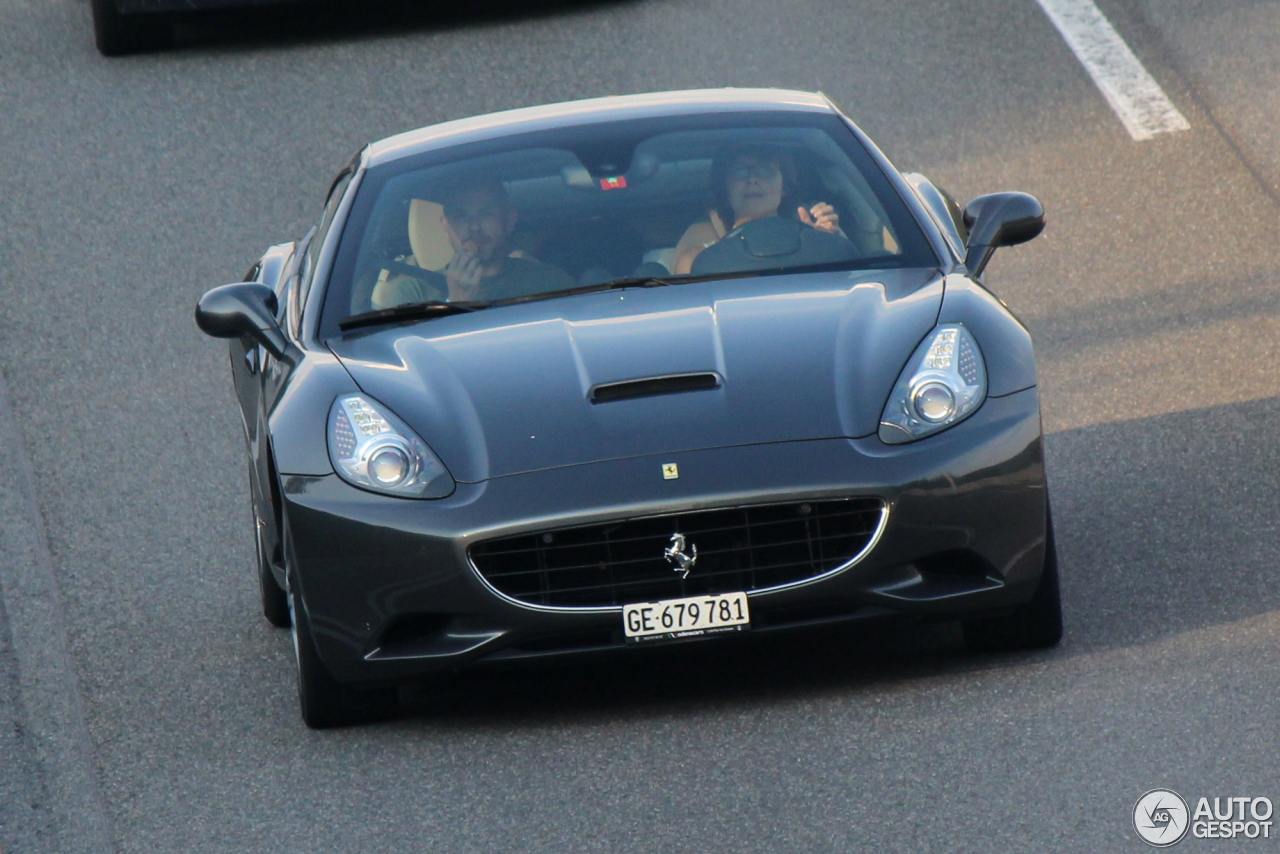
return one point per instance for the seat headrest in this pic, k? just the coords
(427, 237)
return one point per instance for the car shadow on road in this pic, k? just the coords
(689, 677)
(292, 24)
(1165, 525)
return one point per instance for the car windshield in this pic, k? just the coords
(542, 213)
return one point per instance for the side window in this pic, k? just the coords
(292, 275)
(312, 256)
(943, 209)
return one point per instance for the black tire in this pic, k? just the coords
(275, 602)
(325, 702)
(116, 34)
(1035, 625)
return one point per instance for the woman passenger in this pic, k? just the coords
(749, 183)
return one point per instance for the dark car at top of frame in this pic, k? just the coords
(130, 26)
(656, 369)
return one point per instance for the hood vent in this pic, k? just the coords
(653, 386)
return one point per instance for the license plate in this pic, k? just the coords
(686, 618)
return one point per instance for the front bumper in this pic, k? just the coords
(391, 593)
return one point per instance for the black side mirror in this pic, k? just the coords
(242, 310)
(999, 219)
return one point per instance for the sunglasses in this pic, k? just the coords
(759, 171)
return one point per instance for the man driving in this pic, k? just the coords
(479, 220)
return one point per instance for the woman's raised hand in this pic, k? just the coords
(821, 216)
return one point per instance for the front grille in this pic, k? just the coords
(742, 548)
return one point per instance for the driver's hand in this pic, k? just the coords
(463, 275)
(821, 216)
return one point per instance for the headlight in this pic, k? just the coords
(374, 449)
(944, 382)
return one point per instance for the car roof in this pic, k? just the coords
(618, 108)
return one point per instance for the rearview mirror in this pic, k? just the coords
(999, 219)
(242, 310)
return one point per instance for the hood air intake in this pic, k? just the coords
(653, 386)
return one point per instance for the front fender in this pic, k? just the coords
(298, 416)
(1004, 341)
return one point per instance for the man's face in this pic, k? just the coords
(479, 222)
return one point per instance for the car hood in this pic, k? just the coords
(509, 389)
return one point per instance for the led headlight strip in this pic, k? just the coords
(944, 382)
(372, 448)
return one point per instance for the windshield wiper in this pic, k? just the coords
(424, 310)
(611, 285)
(409, 311)
(627, 282)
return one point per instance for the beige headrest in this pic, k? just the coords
(427, 238)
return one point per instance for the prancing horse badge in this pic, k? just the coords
(675, 553)
(670, 471)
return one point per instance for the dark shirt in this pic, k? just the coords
(521, 277)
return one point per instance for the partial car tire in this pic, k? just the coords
(1036, 624)
(325, 702)
(275, 602)
(116, 34)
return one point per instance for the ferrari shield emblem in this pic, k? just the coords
(670, 471)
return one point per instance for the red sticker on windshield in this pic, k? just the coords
(618, 182)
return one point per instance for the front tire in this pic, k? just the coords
(275, 602)
(325, 702)
(1035, 625)
(117, 34)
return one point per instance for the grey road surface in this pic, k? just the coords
(151, 709)
(24, 812)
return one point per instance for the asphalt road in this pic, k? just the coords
(22, 802)
(153, 710)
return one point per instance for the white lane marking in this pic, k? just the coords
(1131, 91)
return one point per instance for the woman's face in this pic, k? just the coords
(755, 188)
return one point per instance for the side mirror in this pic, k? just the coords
(242, 310)
(999, 219)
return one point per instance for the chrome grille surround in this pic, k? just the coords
(753, 548)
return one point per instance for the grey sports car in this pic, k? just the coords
(659, 369)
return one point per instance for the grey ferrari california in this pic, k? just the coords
(597, 376)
